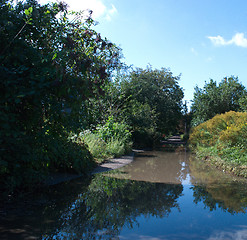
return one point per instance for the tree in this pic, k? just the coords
(50, 63)
(243, 103)
(155, 100)
(213, 99)
(112, 103)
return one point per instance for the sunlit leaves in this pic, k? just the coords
(214, 99)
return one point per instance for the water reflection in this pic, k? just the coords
(217, 189)
(110, 204)
(159, 196)
(156, 166)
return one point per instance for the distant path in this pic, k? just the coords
(174, 140)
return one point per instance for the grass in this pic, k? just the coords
(231, 160)
(102, 150)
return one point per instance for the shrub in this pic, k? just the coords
(47, 154)
(223, 136)
(115, 147)
(96, 145)
(109, 140)
(229, 128)
(114, 130)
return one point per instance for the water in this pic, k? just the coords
(160, 195)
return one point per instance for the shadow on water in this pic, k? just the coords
(161, 195)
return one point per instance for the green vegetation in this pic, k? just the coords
(52, 61)
(148, 100)
(67, 100)
(229, 95)
(219, 122)
(110, 140)
(154, 104)
(222, 141)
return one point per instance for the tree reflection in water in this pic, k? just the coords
(217, 189)
(110, 204)
(106, 206)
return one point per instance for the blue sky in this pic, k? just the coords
(199, 39)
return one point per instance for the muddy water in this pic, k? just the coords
(160, 195)
(157, 167)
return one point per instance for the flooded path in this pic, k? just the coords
(159, 196)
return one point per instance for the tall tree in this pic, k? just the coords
(214, 99)
(155, 99)
(50, 62)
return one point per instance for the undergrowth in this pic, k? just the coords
(112, 139)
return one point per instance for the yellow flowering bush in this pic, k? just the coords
(229, 128)
(222, 141)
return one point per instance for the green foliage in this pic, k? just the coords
(150, 101)
(243, 103)
(224, 137)
(112, 139)
(49, 65)
(228, 96)
(154, 101)
(96, 145)
(60, 77)
(117, 147)
(112, 129)
(112, 103)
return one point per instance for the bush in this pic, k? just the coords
(95, 144)
(113, 139)
(46, 59)
(115, 147)
(229, 129)
(114, 130)
(224, 137)
(47, 154)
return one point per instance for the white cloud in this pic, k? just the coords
(237, 234)
(100, 10)
(218, 40)
(238, 39)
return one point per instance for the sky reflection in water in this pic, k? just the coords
(161, 195)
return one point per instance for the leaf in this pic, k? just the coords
(54, 56)
(29, 11)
